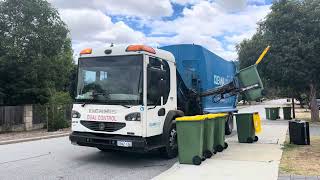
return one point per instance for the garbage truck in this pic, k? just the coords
(128, 97)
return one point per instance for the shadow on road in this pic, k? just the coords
(126, 159)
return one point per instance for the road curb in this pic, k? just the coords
(33, 139)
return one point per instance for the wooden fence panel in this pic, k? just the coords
(11, 115)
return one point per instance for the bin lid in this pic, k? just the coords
(192, 118)
(218, 115)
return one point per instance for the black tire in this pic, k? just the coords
(229, 125)
(249, 140)
(171, 146)
(226, 145)
(214, 151)
(196, 160)
(256, 138)
(219, 148)
(207, 154)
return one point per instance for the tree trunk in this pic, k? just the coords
(293, 109)
(313, 103)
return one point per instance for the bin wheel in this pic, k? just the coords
(207, 154)
(214, 151)
(171, 146)
(219, 148)
(226, 145)
(256, 138)
(196, 160)
(249, 140)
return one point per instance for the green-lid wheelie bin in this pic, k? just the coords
(245, 127)
(190, 131)
(219, 133)
(272, 113)
(287, 113)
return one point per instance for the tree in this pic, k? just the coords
(292, 29)
(35, 52)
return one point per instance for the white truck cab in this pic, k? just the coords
(126, 100)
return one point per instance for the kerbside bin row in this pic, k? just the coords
(198, 136)
(272, 113)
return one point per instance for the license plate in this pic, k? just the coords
(124, 143)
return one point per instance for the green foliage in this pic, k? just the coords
(292, 28)
(59, 98)
(35, 52)
(57, 117)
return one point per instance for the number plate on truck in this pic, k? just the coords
(124, 143)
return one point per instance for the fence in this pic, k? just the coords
(31, 117)
(53, 116)
(11, 118)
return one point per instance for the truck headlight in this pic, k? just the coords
(75, 114)
(133, 117)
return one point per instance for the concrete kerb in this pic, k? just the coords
(33, 138)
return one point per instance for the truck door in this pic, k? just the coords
(157, 94)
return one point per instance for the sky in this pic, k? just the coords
(217, 25)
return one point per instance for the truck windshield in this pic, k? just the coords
(110, 80)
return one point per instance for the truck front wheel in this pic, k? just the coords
(171, 146)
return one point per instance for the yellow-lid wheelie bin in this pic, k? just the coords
(208, 137)
(219, 131)
(247, 126)
(190, 131)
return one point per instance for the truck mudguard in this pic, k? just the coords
(171, 116)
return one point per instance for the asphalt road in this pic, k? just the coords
(58, 159)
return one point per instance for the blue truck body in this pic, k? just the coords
(201, 70)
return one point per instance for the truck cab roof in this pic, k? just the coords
(122, 50)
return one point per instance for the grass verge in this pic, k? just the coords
(301, 160)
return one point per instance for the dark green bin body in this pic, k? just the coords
(247, 77)
(208, 142)
(287, 113)
(272, 113)
(245, 127)
(219, 134)
(190, 140)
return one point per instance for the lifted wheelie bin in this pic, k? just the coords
(246, 127)
(190, 131)
(219, 133)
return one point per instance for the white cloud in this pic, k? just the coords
(185, 2)
(232, 5)
(201, 22)
(140, 8)
(211, 20)
(92, 28)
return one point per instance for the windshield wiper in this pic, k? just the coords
(126, 106)
(93, 98)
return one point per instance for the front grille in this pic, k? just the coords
(103, 126)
